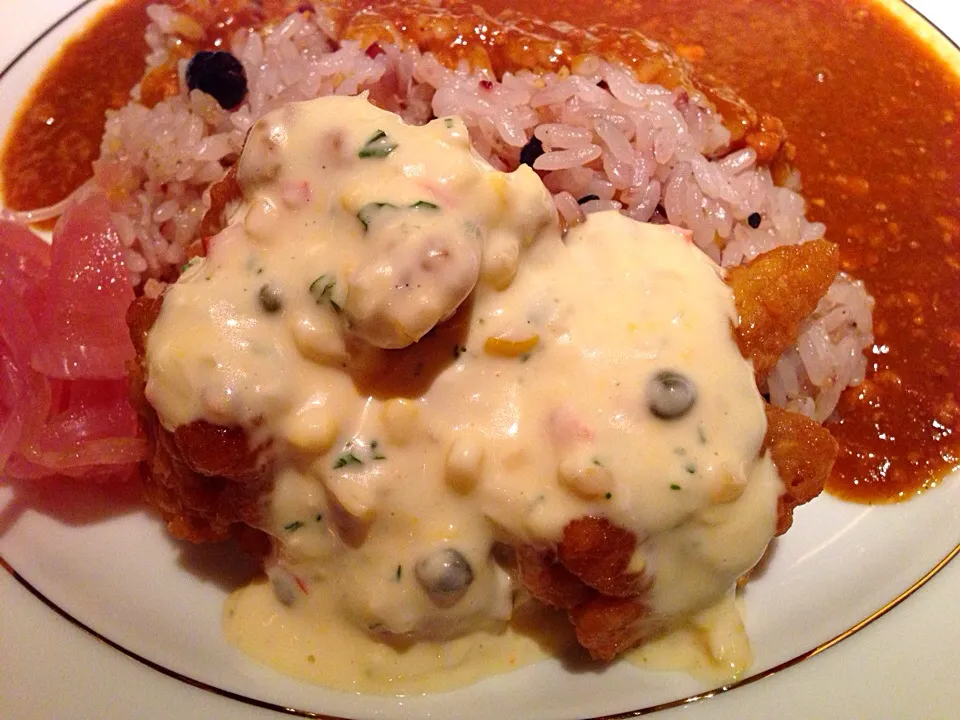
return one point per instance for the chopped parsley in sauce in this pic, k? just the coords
(378, 146)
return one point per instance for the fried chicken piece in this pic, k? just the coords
(588, 575)
(598, 552)
(804, 452)
(775, 293)
(141, 315)
(205, 480)
(222, 193)
(592, 555)
(606, 617)
(199, 507)
(766, 138)
(607, 626)
(214, 450)
(542, 573)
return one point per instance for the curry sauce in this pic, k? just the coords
(871, 110)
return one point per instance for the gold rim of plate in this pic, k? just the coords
(948, 52)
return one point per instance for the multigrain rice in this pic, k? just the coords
(609, 142)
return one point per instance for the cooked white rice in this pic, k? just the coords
(609, 141)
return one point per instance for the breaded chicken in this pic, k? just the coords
(775, 293)
(599, 553)
(607, 626)
(804, 452)
(209, 484)
(205, 480)
(588, 573)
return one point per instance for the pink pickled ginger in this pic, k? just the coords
(83, 331)
(64, 346)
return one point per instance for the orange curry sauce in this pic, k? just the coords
(873, 114)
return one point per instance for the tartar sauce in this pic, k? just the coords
(437, 376)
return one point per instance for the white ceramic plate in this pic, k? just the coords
(106, 564)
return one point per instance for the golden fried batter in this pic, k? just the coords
(598, 552)
(548, 580)
(804, 453)
(222, 193)
(607, 626)
(774, 294)
(203, 507)
(588, 576)
(205, 480)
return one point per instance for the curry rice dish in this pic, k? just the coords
(347, 487)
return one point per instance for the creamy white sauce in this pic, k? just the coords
(315, 644)
(527, 408)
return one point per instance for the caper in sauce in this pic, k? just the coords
(445, 573)
(670, 395)
(270, 298)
